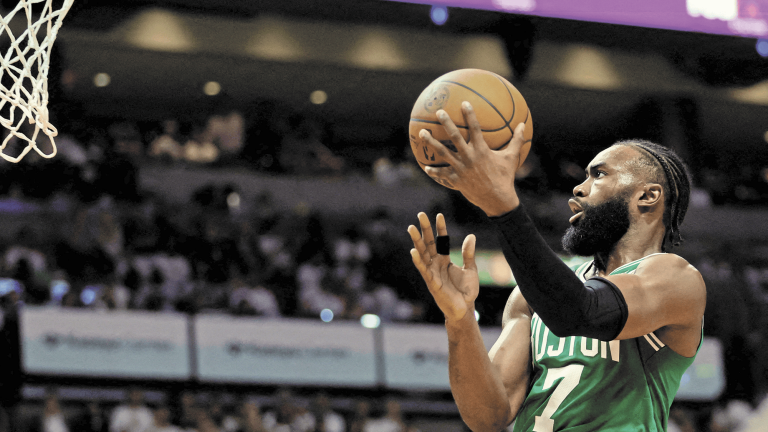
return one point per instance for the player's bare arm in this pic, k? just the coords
(489, 389)
(598, 308)
(667, 294)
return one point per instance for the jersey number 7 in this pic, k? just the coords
(570, 375)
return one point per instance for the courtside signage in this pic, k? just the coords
(416, 357)
(705, 378)
(284, 351)
(111, 344)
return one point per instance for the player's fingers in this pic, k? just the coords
(475, 131)
(418, 242)
(442, 228)
(439, 148)
(446, 176)
(517, 141)
(453, 131)
(468, 252)
(427, 235)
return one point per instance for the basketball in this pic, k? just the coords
(499, 107)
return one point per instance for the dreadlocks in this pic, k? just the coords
(667, 169)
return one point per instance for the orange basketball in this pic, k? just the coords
(499, 107)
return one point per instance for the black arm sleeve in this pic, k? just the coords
(566, 305)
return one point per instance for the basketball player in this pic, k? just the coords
(601, 348)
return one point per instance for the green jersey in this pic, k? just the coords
(581, 384)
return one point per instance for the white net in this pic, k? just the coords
(24, 75)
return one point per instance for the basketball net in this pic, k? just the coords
(26, 65)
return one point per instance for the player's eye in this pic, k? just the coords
(600, 174)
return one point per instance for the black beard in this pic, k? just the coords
(598, 230)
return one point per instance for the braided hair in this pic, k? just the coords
(667, 169)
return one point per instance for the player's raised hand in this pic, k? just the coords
(453, 288)
(484, 176)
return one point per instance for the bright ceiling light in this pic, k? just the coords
(439, 14)
(211, 88)
(101, 79)
(318, 97)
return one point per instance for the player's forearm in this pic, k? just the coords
(549, 286)
(475, 383)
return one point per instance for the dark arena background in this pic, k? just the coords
(220, 243)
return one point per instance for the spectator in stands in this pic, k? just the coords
(25, 247)
(71, 299)
(287, 415)
(325, 419)
(132, 416)
(392, 421)
(249, 419)
(302, 150)
(166, 147)
(205, 423)
(92, 420)
(360, 417)
(186, 411)
(757, 420)
(252, 299)
(226, 131)
(732, 417)
(78, 253)
(113, 296)
(681, 420)
(150, 296)
(199, 148)
(109, 234)
(69, 149)
(127, 139)
(53, 419)
(312, 278)
(162, 421)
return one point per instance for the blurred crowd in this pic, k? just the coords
(283, 411)
(94, 239)
(192, 412)
(147, 255)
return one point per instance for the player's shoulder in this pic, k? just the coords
(674, 270)
(668, 262)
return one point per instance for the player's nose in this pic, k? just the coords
(581, 190)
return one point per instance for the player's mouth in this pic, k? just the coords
(575, 217)
(577, 209)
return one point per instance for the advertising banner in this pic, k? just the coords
(726, 17)
(705, 378)
(243, 350)
(104, 344)
(416, 356)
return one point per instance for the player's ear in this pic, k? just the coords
(653, 195)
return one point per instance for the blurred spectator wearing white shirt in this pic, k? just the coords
(246, 299)
(391, 422)
(325, 419)
(53, 418)
(133, 416)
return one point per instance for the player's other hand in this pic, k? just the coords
(485, 177)
(453, 288)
